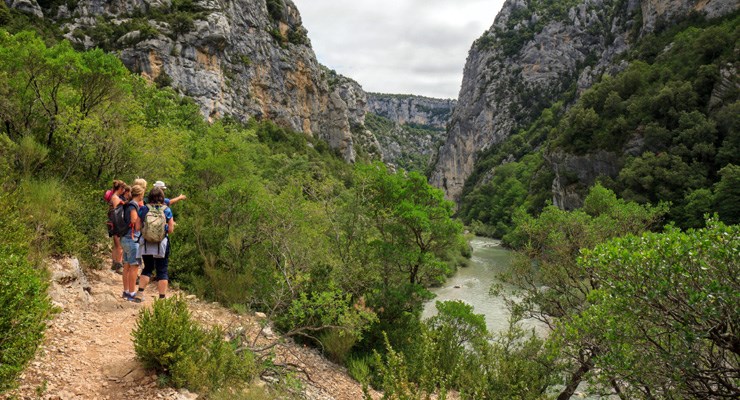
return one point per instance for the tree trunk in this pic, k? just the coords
(575, 380)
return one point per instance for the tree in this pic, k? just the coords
(413, 221)
(727, 194)
(397, 234)
(555, 287)
(665, 314)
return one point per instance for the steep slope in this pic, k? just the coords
(237, 59)
(536, 53)
(408, 128)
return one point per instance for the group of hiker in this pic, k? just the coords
(140, 228)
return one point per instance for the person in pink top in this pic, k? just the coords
(114, 197)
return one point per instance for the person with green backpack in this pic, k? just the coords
(157, 224)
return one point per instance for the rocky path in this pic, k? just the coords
(88, 352)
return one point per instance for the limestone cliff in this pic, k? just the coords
(408, 109)
(536, 53)
(247, 58)
(408, 128)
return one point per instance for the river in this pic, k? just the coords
(473, 283)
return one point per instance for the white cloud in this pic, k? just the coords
(398, 46)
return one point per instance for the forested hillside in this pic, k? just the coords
(663, 129)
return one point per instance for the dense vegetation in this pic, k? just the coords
(275, 222)
(22, 288)
(633, 313)
(670, 117)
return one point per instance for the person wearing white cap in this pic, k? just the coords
(169, 202)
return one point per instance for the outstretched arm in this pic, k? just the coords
(178, 198)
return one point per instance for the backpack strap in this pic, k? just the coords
(127, 214)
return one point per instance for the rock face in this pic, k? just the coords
(354, 97)
(27, 6)
(575, 173)
(408, 109)
(531, 56)
(408, 128)
(655, 12)
(246, 58)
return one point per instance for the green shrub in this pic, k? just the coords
(185, 5)
(168, 340)
(337, 344)
(8, 150)
(25, 309)
(359, 368)
(163, 80)
(89, 218)
(24, 305)
(45, 207)
(30, 155)
(182, 23)
(275, 8)
(298, 37)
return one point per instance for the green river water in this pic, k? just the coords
(473, 283)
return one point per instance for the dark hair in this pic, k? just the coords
(156, 196)
(118, 184)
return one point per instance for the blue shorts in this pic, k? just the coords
(150, 263)
(130, 248)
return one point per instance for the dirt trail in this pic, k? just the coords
(88, 352)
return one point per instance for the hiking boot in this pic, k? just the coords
(117, 268)
(138, 297)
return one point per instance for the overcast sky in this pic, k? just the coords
(398, 46)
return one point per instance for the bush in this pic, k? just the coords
(46, 208)
(168, 340)
(275, 8)
(26, 308)
(163, 80)
(359, 368)
(337, 344)
(182, 23)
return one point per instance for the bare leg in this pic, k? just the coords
(117, 250)
(162, 286)
(126, 272)
(143, 281)
(130, 277)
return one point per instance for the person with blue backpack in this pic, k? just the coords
(157, 224)
(167, 201)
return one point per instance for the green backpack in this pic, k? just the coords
(153, 230)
